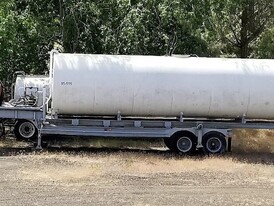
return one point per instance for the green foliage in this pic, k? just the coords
(29, 29)
(266, 45)
(239, 23)
(23, 40)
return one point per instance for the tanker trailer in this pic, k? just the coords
(162, 86)
(149, 93)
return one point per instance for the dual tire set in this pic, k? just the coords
(186, 142)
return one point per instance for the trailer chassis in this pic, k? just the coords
(184, 131)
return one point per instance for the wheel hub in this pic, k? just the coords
(184, 144)
(27, 129)
(213, 144)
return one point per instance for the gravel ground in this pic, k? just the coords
(134, 177)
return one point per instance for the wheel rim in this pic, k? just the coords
(26, 130)
(184, 144)
(213, 144)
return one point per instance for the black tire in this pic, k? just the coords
(168, 143)
(214, 143)
(182, 142)
(25, 130)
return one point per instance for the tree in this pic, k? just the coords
(29, 29)
(158, 27)
(239, 23)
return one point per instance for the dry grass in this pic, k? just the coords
(251, 140)
(75, 142)
(252, 156)
(75, 166)
(63, 178)
(13, 143)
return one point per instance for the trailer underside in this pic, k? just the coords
(185, 131)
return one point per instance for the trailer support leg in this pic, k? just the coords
(200, 138)
(39, 141)
(199, 132)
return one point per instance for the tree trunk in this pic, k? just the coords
(244, 50)
(248, 24)
(244, 38)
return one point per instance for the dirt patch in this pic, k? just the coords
(133, 178)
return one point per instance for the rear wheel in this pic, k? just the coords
(25, 130)
(214, 143)
(182, 142)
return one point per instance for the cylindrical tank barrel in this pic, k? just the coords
(85, 84)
